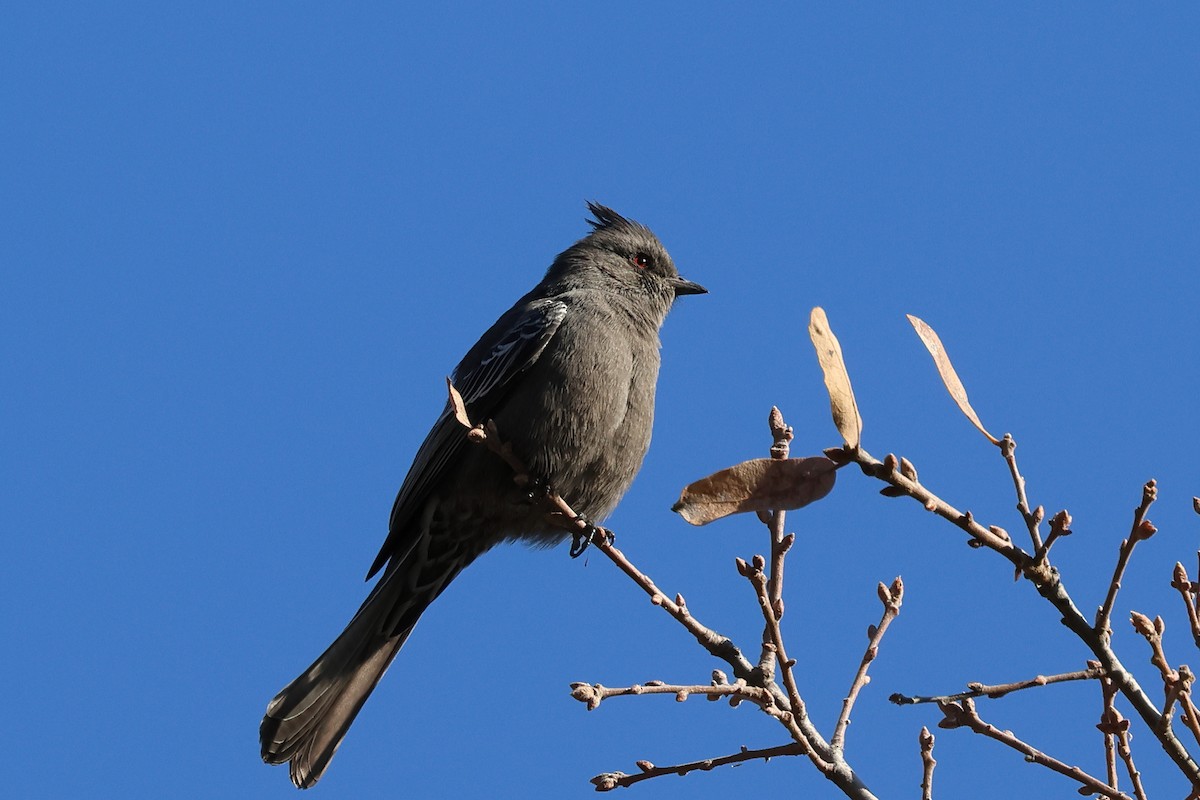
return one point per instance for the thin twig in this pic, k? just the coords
(1191, 715)
(1116, 740)
(964, 715)
(593, 693)
(754, 573)
(889, 470)
(891, 597)
(1190, 593)
(608, 781)
(1140, 530)
(781, 436)
(1152, 631)
(1060, 525)
(999, 690)
(1033, 517)
(928, 762)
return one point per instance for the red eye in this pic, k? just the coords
(641, 262)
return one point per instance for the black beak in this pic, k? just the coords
(683, 287)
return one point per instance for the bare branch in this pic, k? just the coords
(928, 762)
(754, 573)
(1049, 585)
(1060, 525)
(999, 690)
(1190, 593)
(1116, 740)
(964, 715)
(608, 781)
(888, 471)
(1142, 529)
(1033, 518)
(891, 597)
(592, 694)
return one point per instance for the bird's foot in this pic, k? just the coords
(537, 489)
(586, 535)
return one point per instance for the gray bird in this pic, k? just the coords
(568, 374)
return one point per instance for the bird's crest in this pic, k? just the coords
(607, 219)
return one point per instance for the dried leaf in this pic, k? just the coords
(460, 408)
(949, 377)
(837, 380)
(762, 484)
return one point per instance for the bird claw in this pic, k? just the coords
(536, 489)
(584, 537)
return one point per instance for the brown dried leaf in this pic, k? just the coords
(762, 484)
(460, 408)
(837, 380)
(949, 377)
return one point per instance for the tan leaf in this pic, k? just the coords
(460, 408)
(949, 377)
(837, 380)
(762, 484)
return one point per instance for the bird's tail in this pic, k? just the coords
(305, 723)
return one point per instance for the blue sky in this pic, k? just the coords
(243, 246)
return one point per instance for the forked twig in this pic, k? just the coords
(891, 597)
(964, 715)
(1116, 740)
(1140, 531)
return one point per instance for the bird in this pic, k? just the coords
(568, 376)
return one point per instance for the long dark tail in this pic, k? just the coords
(306, 721)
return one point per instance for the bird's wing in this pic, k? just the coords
(507, 349)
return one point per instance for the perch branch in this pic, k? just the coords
(791, 709)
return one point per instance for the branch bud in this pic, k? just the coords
(607, 781)
(1179, 578)
(586, 693)
(1061, 522)
(1142, 623)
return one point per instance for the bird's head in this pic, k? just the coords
(624, 257)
